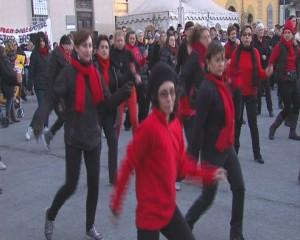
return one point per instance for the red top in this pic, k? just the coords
(137, 54)
(241, 75)
(229, 48)
(157, 155)
(291, 57)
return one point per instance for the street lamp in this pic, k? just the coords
(181, 13)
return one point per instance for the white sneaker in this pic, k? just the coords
(2, 166)
(28, 133)
(93, 234)
(178, 186)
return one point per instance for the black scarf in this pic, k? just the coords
(254, 61)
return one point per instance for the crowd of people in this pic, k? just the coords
(195, 79)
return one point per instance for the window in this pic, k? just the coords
(270, 16)
(39, 11)
(250, 18)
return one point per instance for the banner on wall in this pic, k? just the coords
(22, 35)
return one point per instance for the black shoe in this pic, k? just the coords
(238, 238)
(259, 159)
(293, 135)
(271, 114)
(272, 133)
(127, 129)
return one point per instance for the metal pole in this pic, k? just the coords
(283, 11)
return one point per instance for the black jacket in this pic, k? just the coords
(117, 81)
(263, 48)
(209, 121)
(82, 130)
(8, 77)
(167, 57)
(182, 55)
(191, 75)
(38, 70)
(57, 62)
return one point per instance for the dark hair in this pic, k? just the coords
(291, 17)
(160, 73)
(237, 26)
(168, 38)
(81, 36)
(246, 27)
(100, 39)
(196, 34)
(214, 48)
(65, 40)
(188, 25)
(230, 29)
(212, 28)
(41, 36)
(127, 36)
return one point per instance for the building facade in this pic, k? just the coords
(66, 16)
(265, 11)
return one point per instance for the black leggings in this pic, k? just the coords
(177, 229)
(230, 162)
(73, 162)
(290, 97)
(108, 124)
(251, 108)
(60, 119)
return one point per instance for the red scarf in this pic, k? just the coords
(105, 65)
(44, 51)
(201, 50)
(67, 54)
(173, 51)
(94, 81)
(226, 137)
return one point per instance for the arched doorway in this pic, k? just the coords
(250, 18)
(232, 9)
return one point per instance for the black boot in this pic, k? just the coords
(293, 135)
(275, 125)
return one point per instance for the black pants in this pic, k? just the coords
(73, 163)
(229, 161)
(127, 123)
(60, 119)
(188, 124)
(251, 107)
(143, 101)
(108, 124)
(264, 86)
(177, 229)
(290, 97)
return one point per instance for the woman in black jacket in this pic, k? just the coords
(8, 88)
(38, 72)
(213, 136)
(84, 94)
(191, 76)
(169, 53)
(59, 58)
(108, 72)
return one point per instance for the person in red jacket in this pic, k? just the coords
(157, 156)
(286, 56)
(245, 71)
(232, 43)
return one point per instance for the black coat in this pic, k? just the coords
(191, 75)
(57, 62)
(209, 121)
(38, 70)
(82, 130)
(8, 77)
(182, 55)
(167, 57)
(117, 81)
(263, 48)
